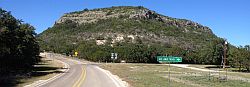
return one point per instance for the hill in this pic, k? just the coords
(137, 34)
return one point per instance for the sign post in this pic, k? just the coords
(168, 74)
(114, 56)
(169, 59)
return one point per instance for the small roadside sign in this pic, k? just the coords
(76, 53)
(114, 55)
(169, 59)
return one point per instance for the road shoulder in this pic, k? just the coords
(50, 75)
(116, 79)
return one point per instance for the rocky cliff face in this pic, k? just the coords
(92, 16)
(127, 25)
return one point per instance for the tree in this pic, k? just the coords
(247, 47)
(246, 57)
(240, 58)
(86, 9)
(235, 58)
(19, 48)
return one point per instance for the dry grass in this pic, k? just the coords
(156, 75)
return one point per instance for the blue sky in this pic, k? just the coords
(228, 19)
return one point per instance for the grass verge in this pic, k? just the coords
(156, 75)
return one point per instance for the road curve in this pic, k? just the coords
(97, 78)
(82, 74)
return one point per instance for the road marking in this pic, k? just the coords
(43, 82)
(81, 78)
(84, 76)
(74, 61)
(116, 81)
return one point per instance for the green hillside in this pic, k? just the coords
(137, 34)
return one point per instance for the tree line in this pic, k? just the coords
(19, 50)
(147, 53)
(239, 57)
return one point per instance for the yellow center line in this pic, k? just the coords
(76, 62)
(81, 79)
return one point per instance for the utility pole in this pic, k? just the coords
(224, 54)
(225, 57)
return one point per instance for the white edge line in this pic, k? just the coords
(115, 80)
(43, 82)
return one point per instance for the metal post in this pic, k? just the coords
(224, 58)
(219, 74)
(209, 75)
(226, 74)
(225, 54)
(168, 74)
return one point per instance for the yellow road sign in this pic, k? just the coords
(76, 53)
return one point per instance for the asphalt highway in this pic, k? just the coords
(81, 74)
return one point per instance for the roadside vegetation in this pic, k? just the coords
(19, 49)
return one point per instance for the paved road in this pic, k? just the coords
(97, 78)
(82, 74)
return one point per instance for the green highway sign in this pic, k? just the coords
(168, 59)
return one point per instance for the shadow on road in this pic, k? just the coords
(43, 69)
